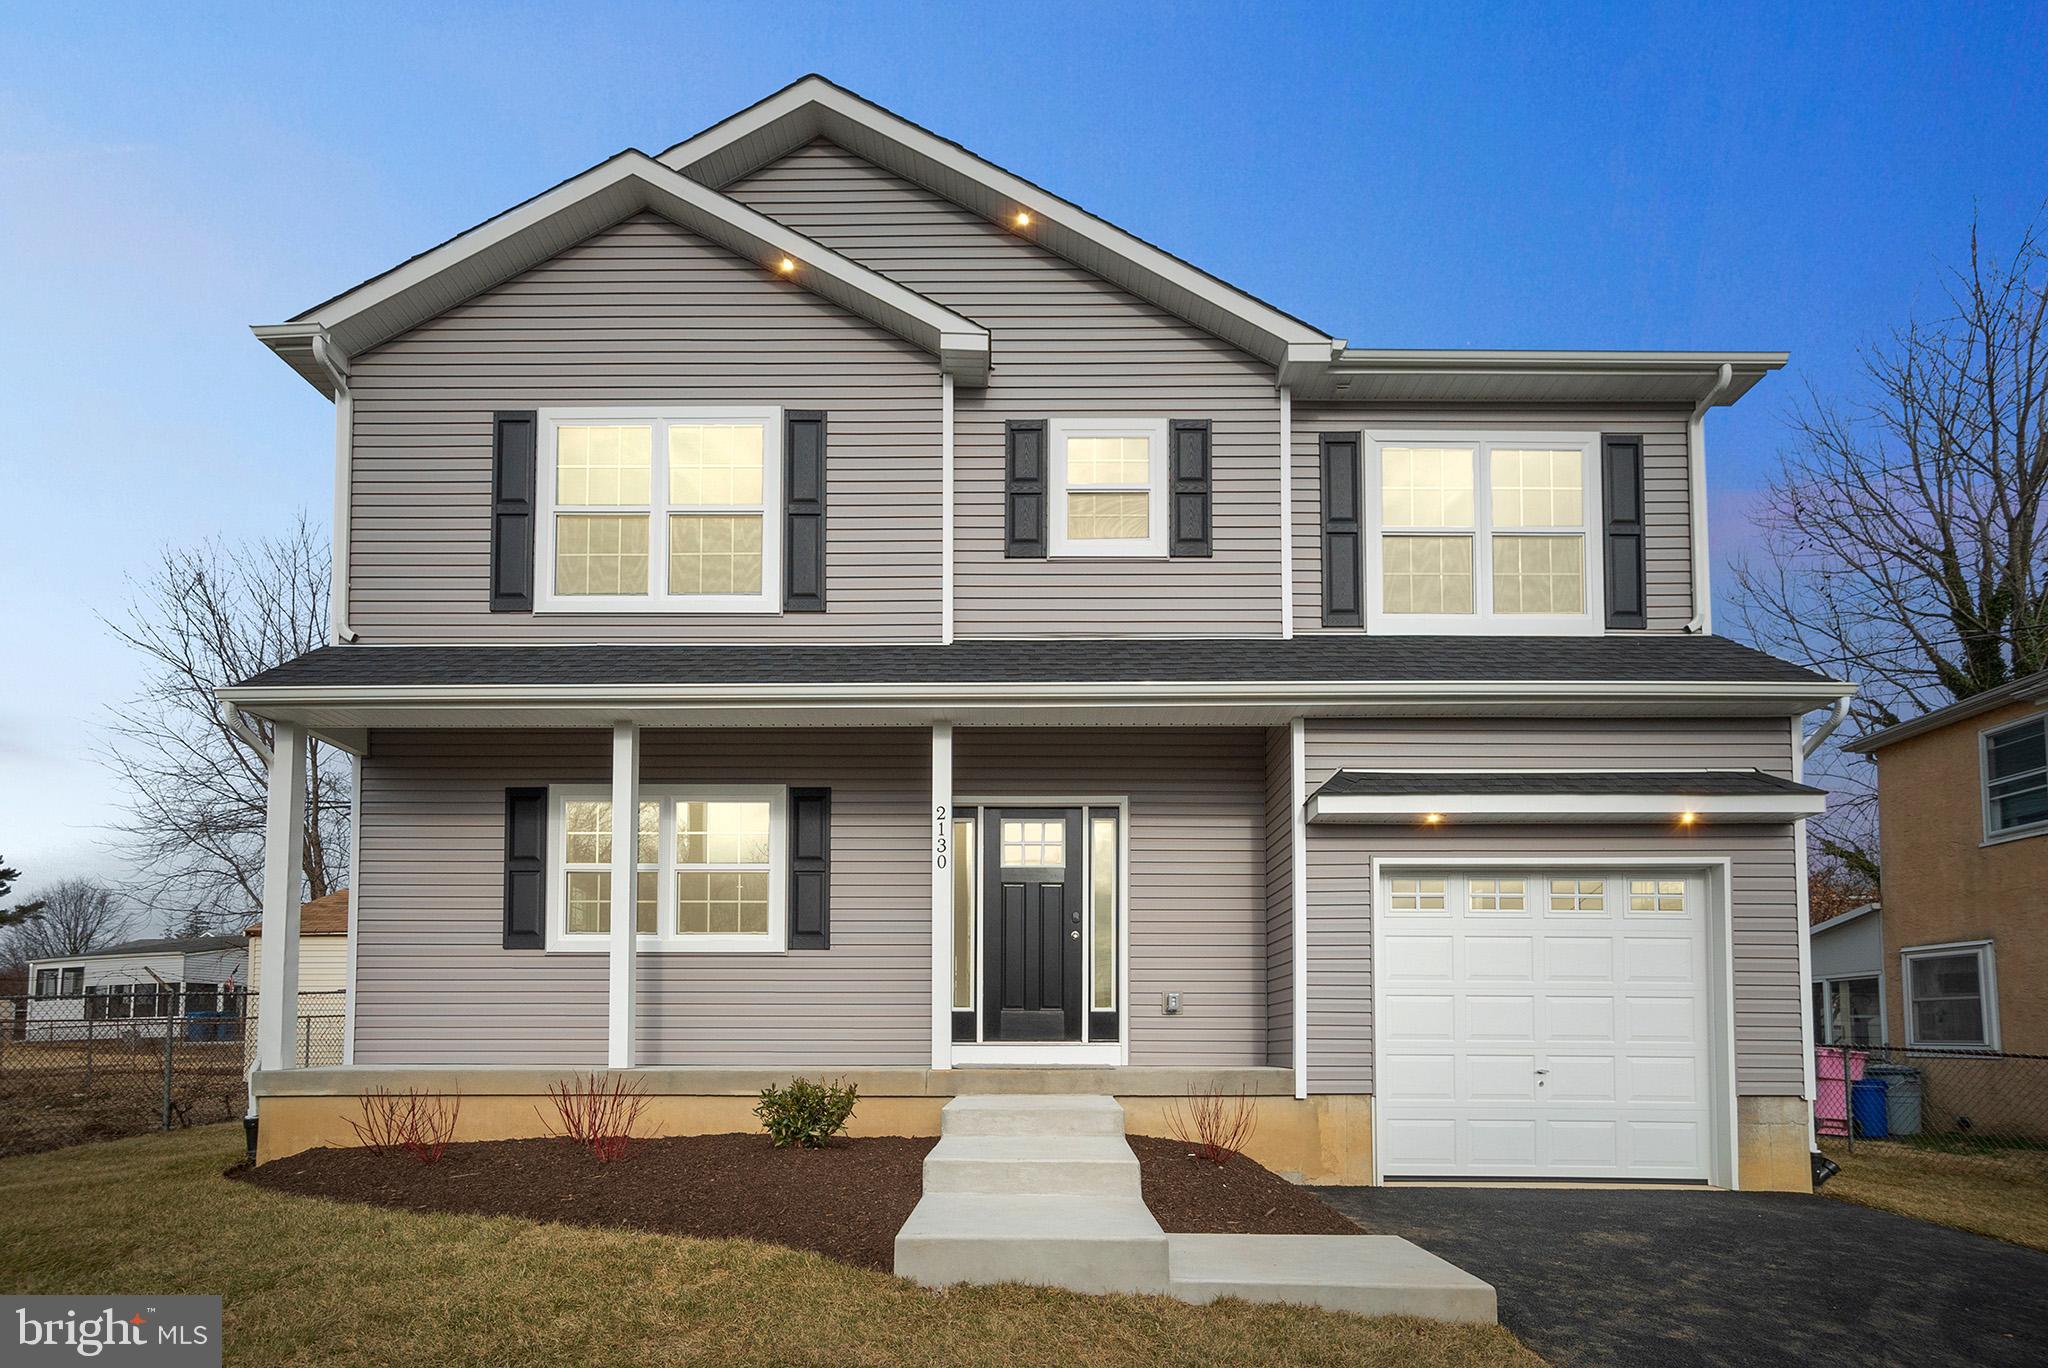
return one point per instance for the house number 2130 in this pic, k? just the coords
(941, 846)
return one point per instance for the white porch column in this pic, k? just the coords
(284, 844)
(625, 906)
(943, 856)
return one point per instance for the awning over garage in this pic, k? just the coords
(1431, 797)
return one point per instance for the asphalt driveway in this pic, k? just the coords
(1666, 1278)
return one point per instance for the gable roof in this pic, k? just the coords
(2031, 688)
(326, 916)
(522, 237)
(813, 107)
(1841, 919)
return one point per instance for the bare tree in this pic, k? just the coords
(78, 915)
(1905, 534)
(196, 791)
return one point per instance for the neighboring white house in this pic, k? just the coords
(323, 976)
(130, 987)
(1848, 978)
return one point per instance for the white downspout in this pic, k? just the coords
(1696, 454)
(336, 364)
(1834, 719)
(1286, 511)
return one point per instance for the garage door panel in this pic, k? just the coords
(1569, 958)
(1544, 1025)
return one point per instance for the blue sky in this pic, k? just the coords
(1783, 176)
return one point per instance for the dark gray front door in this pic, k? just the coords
(1032, 904)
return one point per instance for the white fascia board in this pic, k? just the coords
(1407, 809)
(814, 107)
(1663, 373)
(522, 237)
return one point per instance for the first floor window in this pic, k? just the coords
(2016, 778)
(1481, 532)
(673, 511)
(1949, 996)
(707, 869)
(46, 983)
(1108, 487)
(72, 981)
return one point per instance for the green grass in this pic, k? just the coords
(310, 1282)
(2001, 1193)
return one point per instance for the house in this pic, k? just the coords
(1962, 798)
(1847, 978)
(136, 987)
(322, 975)
(813, 600)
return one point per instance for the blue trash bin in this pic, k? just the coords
(1867, 1104)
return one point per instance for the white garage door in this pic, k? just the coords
(1543, 1024)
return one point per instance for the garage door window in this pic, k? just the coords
(1416, 895)
(1578, 895)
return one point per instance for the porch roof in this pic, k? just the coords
(1562, 795)
(1250, 681)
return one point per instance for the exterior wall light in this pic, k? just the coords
(785, 265)
(1023, 219)
(1686, 819)
(1432, 819)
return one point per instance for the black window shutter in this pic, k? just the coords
(526, 868)
(1189, 446)
(810, 869)
(1343, 532)
(803, 501)
(1621, 487)
(514, 473)
(1024, 460)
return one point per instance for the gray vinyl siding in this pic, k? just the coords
(643, 313)
(434, 985)
(1666, 477)
(1279, 897)
(1065, 343)
(1197, 876)
(1769, 997)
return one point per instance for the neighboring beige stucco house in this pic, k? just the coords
(1963, 836)
(814, 600)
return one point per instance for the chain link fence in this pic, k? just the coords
(72, 1070)
(1970, 1102)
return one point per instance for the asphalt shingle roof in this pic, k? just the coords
(1308, 659)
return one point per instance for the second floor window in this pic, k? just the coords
(1108, 487)
(2016, 779)
(1481, 533)
(669, 511)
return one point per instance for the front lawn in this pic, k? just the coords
(310, 1281)
(2001, 1193)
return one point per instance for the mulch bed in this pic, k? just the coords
(1191, 1196)
(846, 1201)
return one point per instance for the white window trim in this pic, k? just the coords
(658, 599)
(665, 940)
(1482, 620)
(1987, 988)
(1058, 432)
(1996, 835)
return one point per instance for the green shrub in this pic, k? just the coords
(806, 1113)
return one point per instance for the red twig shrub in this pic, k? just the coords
(419, 1122)
(596, 1112)
(1215, 1125)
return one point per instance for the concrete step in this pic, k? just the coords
(1370, 1275)
(1031, 1114)
(1086, 1244)
(1027, 1165)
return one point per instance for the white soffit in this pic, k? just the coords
(1418, 809)
(814, 107)
(631, 182)
(1536, 377)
